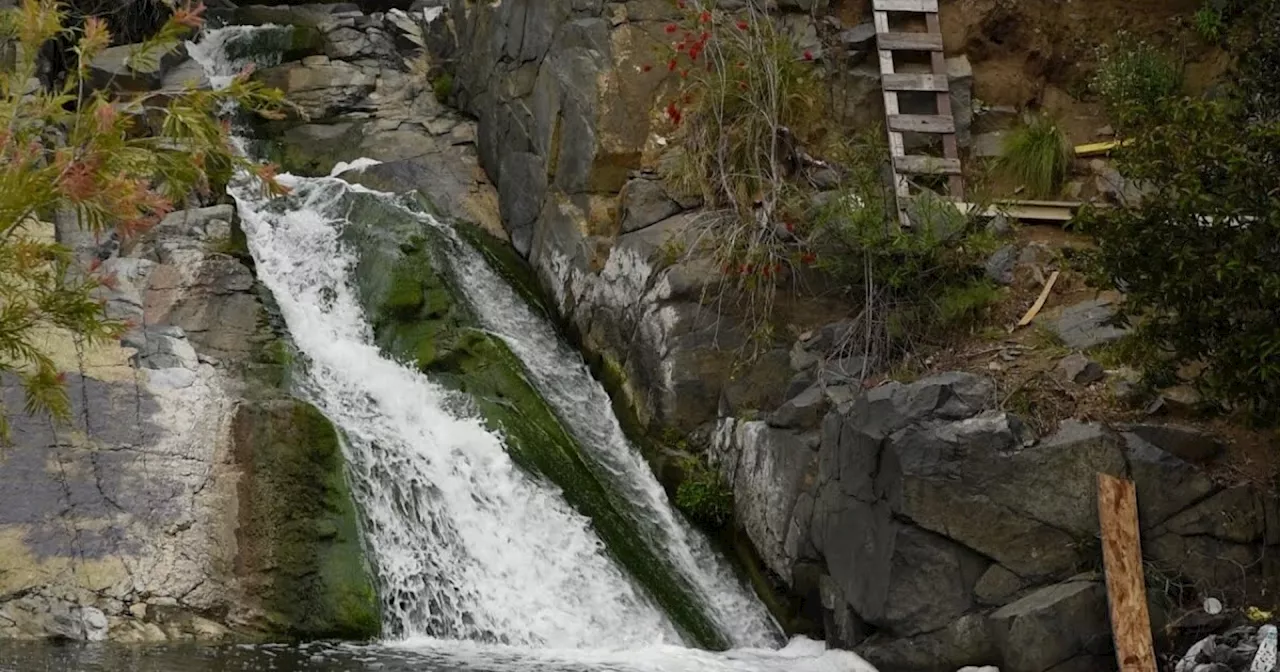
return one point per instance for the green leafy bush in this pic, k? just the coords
(916, 282)
(1197, 257)
(703, 496)
(1208, 22)
(69, 148)
(442, 86)
(1038, 155)
(1133, 75)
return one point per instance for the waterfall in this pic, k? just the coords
(469, 549)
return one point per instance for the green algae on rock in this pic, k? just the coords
(299, 538)
(407, 284)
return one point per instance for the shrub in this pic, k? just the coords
(1132, 76)
(1197, 256)
(75, 149)
(916, 282)
(703, 495)
(442, 86)
(747, 100)
(1038, 155)
(1208, 23)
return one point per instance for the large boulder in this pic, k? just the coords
(321, 87)
(133, 520)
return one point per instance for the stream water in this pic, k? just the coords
(481, 566)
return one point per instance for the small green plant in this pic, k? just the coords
(1133, 76)
(962, 305)
(703, 495)
(1038, 155)
(1209, 23)
(442, 86)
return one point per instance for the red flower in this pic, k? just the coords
(742, 25)
(680, 47)
(684, 74)
(808, 55)
(705, 16)
(671, 65)
(671, 28)
(646, 67)
(808, 258)
(742, 85)
(674, 113)
(790, 227)
(680, 4)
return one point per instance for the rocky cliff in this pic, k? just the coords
(926, 524)
(189, 496)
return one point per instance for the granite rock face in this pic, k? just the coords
(131, 521)
(946, 534)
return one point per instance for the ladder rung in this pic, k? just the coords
(922, 123)
(914, 82)
(905, 5)
(909, 41)
(926, 165)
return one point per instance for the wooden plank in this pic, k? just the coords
(909, 41)
(896, 148)
(1039, 304)
(905, 5)
(922, 123)
(1095, 148)
(926, 165)
(1122, 559)
(914, 82)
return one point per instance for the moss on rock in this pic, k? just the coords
(419, 318)
(299, 545)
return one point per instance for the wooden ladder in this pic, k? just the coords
(893, 82)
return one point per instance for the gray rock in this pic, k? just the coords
(802, 358)
(1166, 484)
(845, 370)
(1188, 443)
(962, 642)
(1078, 369)
(645, 202)
(1051, 626)
(522, 184)
(960, 76)
(997, 586)
(767, 468)
(1001, 263)
(989, 145)
(322, 88)
(804, 411)
(116, 68)
(1086, 325)
(859, 38)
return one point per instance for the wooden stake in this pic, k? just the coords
(1044, 296)
(1126, 590)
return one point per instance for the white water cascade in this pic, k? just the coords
(475, 558)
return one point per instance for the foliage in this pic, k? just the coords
(73, 149)
(1134, 75)
(703, 496)
(747, 99)
(442, 86)
(915, 282)
(1208, 23)
(1197, 256)
(1038, 155)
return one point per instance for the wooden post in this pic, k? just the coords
(1122, 557)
